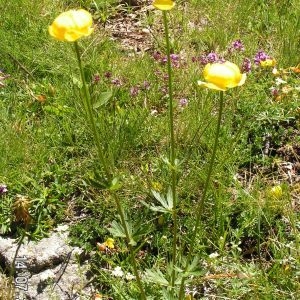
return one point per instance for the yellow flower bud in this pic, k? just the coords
(101, 247)
(222, 76)
(163, 4)
(71, 25)
(296, 69)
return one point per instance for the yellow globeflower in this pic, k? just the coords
(163, 4)
(71, 25)
(222, 76)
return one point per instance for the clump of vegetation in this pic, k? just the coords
(177, 167)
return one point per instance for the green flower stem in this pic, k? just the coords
(87, 103)
(200, 205)
(172, 149)
(131, 250)
(12, 270)
(89, 111)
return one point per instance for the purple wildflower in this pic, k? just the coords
(221, 60)
(134, 91)
(116, 82)
(175, 58)
(203, 59)
(246, 66)
(146, 85)
(107, 74)
(274, 91)
(164, 59)
(164, 90)
(96, 78)
(3, 189)
(157, 55)
(183, 102)
(212, 57)
(194, 59)
(260, 56)
(237, 45)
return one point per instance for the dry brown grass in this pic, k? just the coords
(6, 288)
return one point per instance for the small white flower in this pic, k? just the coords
(117, 272)
(129, 276)
(153, 112)
(214, 255)
(279, 81)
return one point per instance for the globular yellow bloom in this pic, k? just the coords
(163, 4)
(269, 62)
(71, 25)
(222, 76)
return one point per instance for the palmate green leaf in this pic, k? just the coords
(193, 268)
(156, 276)
(166, 202)
(117, 230)
(103, 98)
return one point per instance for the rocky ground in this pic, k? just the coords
(48, 269)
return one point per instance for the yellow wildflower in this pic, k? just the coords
(275, 192)
(71, 25)
(110, 243)
(163, 4)
(269, 62)
(222, 76)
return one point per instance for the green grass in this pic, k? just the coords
(48, 154)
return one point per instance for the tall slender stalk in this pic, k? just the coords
(13, 268)
(172, 149)
(109, 176)
(200, 205)
(87, 103)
